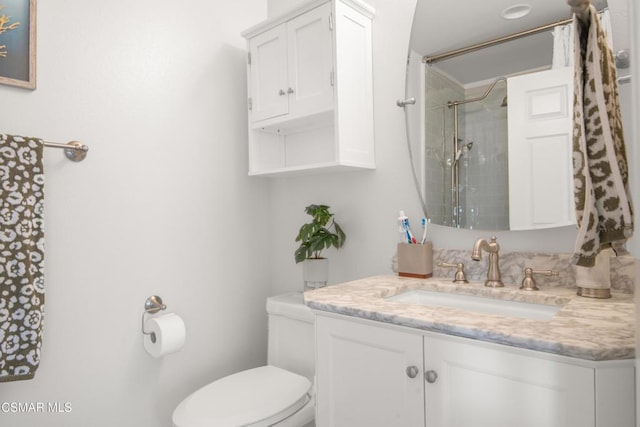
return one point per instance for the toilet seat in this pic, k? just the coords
(256, 397)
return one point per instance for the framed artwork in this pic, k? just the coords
(18, 43)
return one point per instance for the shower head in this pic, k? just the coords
(464, 149)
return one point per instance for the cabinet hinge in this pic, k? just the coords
(331, 22)
(331, 77)
(249, 58)
(250, 103)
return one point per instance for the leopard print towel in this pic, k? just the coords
(21, 256)
(602, 199)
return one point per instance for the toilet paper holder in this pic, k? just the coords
(152, 305)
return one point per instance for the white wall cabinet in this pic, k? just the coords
(310, 89)
(375, 374)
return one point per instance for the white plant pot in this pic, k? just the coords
(315, 273)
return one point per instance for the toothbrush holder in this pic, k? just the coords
(415, 260)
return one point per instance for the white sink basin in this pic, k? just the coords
(477, 304)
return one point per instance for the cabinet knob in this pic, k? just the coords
(412, 371)
(281, 92)
(431, 376)
(290, 90)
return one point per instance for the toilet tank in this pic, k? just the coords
(291, 334)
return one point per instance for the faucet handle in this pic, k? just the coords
(529, 283)
(460, 276)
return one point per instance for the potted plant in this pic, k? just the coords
(319, 234)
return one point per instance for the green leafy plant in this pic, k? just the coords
(321, 233)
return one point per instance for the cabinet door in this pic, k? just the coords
(309, 41)
(268, 74)
(362, 377)
(479, 384)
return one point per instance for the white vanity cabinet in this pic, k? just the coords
(364, 375)
(310, 89)
(486, 385)
(375, 374)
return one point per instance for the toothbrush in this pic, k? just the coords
(425, 225)
(404, 227)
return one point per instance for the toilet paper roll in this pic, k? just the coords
(166, 334)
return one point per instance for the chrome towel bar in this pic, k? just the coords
(74, 150)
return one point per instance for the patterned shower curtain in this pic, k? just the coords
(21, 256)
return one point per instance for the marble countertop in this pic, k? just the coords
(584, 328)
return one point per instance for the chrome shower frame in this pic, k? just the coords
(455, 167)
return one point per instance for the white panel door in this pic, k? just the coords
(479, 385)
(268, 74)
(310, 87)
(540, 119)
(362, 377)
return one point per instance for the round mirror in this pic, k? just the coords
(491, 129)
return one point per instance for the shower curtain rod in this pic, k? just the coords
(450, 54)
(73, 150)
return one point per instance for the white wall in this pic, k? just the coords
(162, 205)
(624, 25)
(366, 203)
(634, 159)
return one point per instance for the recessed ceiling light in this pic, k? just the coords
(516, 11)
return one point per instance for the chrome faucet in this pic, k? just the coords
(493, 273)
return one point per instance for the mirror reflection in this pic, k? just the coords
(492, 131)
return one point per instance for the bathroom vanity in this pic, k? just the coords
(407, 352)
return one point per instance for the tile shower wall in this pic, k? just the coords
(482, 133)
(439, 143)
(484, 174)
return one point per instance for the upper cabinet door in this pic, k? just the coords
(310, 53)
(268, 74)
(291, 67)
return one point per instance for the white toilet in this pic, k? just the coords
(279, 394)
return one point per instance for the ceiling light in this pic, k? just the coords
(516, 11)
